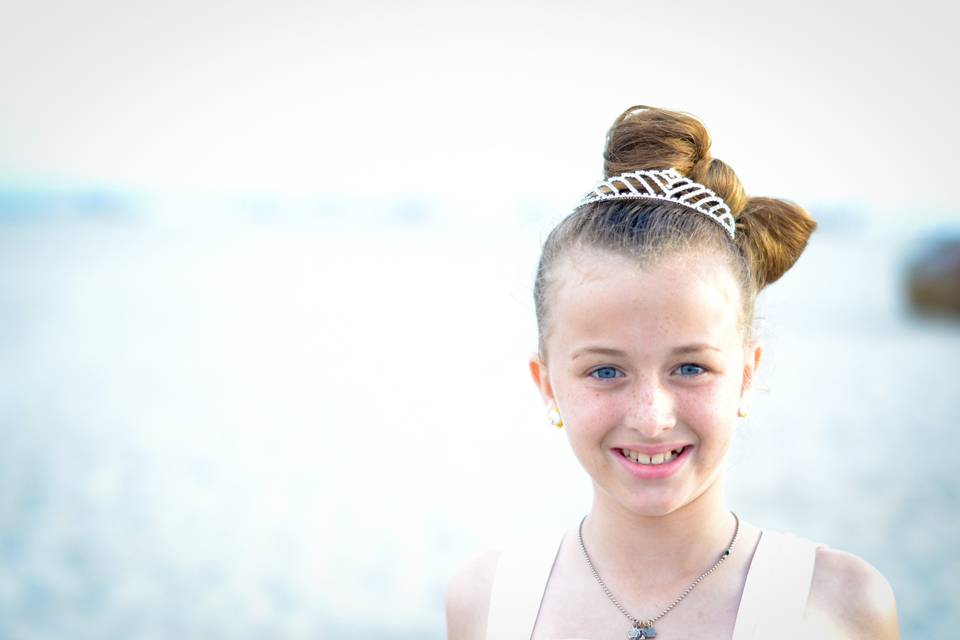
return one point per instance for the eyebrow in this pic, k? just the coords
(608, 351)
(693, 348)
(604, 351)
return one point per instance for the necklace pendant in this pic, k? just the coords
(640, 633)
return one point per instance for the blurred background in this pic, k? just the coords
(266, 295)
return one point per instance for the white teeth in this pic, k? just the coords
(642, 458)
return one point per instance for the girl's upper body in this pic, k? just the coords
(753, 598)
(644, 298)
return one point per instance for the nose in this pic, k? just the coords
(653, 410)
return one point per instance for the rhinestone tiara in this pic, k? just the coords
(664, 184)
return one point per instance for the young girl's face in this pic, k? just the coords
(646, 362)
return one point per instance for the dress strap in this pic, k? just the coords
(778, 582)
(521, 577)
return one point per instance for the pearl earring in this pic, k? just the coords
(554, 416)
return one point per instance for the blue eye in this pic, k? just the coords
(604, 373)
(690, 369)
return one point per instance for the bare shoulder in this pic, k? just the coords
(468, 597)
(851, 597)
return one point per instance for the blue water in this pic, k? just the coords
(266, 430)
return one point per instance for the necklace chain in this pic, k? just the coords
(649, 623)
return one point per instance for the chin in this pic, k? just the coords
(654, 510)
(653, 504)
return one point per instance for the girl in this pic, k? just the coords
(644, 298)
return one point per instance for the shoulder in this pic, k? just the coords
(468, 597)
(852, 596)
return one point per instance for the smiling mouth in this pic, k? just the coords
(654, 460)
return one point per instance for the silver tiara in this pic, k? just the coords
(664, 184)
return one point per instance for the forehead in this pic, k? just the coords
(679, 298)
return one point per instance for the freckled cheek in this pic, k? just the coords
(709, 415)
(589, 410)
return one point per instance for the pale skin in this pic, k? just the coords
(647, 355)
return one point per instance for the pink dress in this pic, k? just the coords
(772, 605)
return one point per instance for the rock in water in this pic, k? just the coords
(933, 278)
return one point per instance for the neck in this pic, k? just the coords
(688, 540)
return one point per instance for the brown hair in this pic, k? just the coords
(771, 233)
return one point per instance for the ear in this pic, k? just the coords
(751, 363)
(541, 378)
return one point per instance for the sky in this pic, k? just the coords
(836, 102)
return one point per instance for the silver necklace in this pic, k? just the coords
(644, 628)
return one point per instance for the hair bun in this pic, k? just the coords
(774, 233)
(649, 138)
